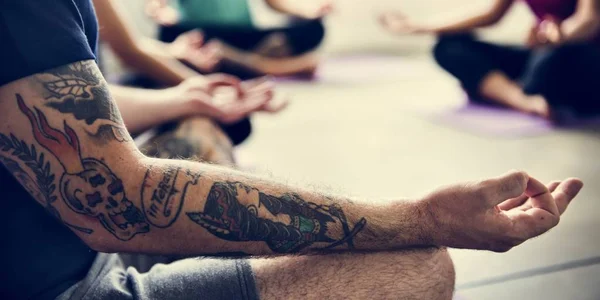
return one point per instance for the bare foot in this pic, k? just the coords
(538, 106)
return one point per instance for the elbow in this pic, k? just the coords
(101, 244)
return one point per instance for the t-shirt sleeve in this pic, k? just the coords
(40, 35)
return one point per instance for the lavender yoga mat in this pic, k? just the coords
(497, 121)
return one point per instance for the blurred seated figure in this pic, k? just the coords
(188, 94)
(252, 37)
(554, 76)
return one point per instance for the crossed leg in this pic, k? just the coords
(409, 274)
(194, 138)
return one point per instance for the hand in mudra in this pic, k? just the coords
(398, 23)
(497, 214)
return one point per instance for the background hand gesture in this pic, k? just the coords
(398, 23)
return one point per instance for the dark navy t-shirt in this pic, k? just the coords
(39, 257)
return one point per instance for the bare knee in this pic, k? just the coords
(439, 273)
(194, 138)
(429, 273)
(412, 274)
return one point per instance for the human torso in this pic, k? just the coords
(557, 9)
(239, 14)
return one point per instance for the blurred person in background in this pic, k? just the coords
(554, 76)
(252, 37)
(189, 97)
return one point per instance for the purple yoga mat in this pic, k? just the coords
(497, 121)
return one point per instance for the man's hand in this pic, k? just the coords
(497, 214)
(222, 98)
(191, 48)
(398, 23)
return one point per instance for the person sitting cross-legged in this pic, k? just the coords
(553, 76)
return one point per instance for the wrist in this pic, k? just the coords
(397, 225)
(177, 99)
(428, 223)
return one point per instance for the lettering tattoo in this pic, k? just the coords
(163, 203)
(293, 224)
(78, 89)
(88, 186)
(42, 188)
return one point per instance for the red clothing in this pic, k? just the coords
(558, 9)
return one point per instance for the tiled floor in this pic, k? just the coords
(367, 140)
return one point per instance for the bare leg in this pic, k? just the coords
(412, 274)
(497, 86)
(274, 45)
(304, 64)
(194, 138)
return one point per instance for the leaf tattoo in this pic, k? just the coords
(43, 187)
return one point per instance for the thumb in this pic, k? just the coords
(507, 186)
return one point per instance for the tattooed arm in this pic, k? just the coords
(62, 137)
(132, 203)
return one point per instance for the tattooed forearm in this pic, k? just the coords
(78, 89)
(88, 186)
(286, 223)
(163, 203)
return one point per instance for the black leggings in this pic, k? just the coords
(302, 37)
(567, 76)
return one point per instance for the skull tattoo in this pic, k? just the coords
(88, 186)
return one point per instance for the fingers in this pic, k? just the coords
(221, 80)
(325, 10)
(565, 192)
(513, 202)
(235, 111)
(540, 196)
(276, 105)
(195, 38)
(521, 200)
(258, 85)
(507, 186)
(553, 185)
